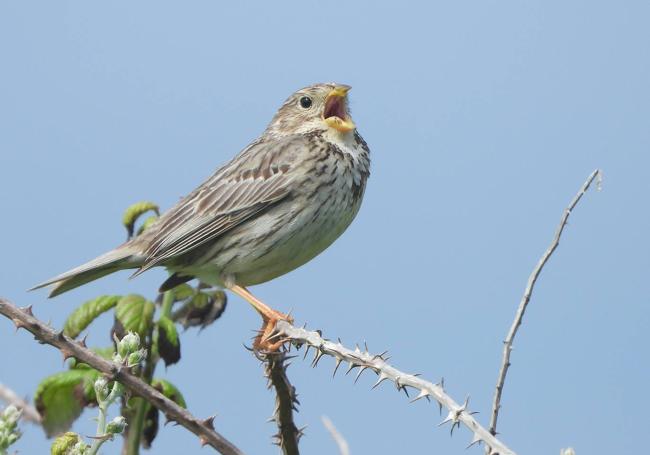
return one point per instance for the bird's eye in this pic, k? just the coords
(305, 102)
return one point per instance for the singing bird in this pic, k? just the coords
(276, 205)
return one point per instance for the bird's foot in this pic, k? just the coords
(268, 339)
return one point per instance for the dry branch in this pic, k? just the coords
(341, 443)
(204, 429)
(286, 401)
(29, 413)
(532, 279)
(458, 414)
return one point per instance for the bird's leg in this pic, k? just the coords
(269, 318)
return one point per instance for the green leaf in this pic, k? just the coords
(87, 312)
(133, 313)
(146, 224)
(60, 398)
(169, 390)
(182, 292)
(63, 444)
(169, 345)
(135, 211)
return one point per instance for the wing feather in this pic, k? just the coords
(259, 177)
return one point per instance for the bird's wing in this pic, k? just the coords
(257, 178)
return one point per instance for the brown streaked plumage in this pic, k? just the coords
(280, 202)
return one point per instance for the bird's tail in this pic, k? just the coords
(122, 257)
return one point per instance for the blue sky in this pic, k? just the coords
(484, 118)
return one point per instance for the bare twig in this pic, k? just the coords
(286, 401)
(29, 412)
(342, 444)
(204, 429)
(532, 279)
(458, 414)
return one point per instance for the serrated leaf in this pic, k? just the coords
(60, 398)
(150, 427)
(135, 211)
(133, 313)
(87, 313)
(169, 390)
(169, 344)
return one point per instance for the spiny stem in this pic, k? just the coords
(525, 300)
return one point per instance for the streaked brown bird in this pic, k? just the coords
(283, 200)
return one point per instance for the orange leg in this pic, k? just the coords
(269, 318)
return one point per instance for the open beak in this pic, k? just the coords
(335, 113)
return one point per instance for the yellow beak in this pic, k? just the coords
(335, 114)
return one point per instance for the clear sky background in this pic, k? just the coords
(484, 118)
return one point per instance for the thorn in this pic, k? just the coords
(423, 393)
(401, 386)
(450, 417)
(382, 378)
(274, 336)
(456, 424)
(356, 349)
(209, 422)
(306, 352)
(351, 367)
(361, 370)
(82, 342)
(19, 324)
(338, 363)
(464, 406)
(365, 345)
(380, 356)
(66, 354)
(60, 336)
(204, 441)
(27, 310)
(317, 357)
(453, 417)
(171, 420)
(476, 439)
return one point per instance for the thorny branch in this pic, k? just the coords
(458, 414)
(204, 429)
(29, 412)
(532, 279)
(286, 401)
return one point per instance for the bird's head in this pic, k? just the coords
(319, 107)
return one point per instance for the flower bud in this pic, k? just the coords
(136, 357)
(101, 389)
(128, 344)
(116, 426)
(11, 414)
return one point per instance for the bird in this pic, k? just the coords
(280, 202)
